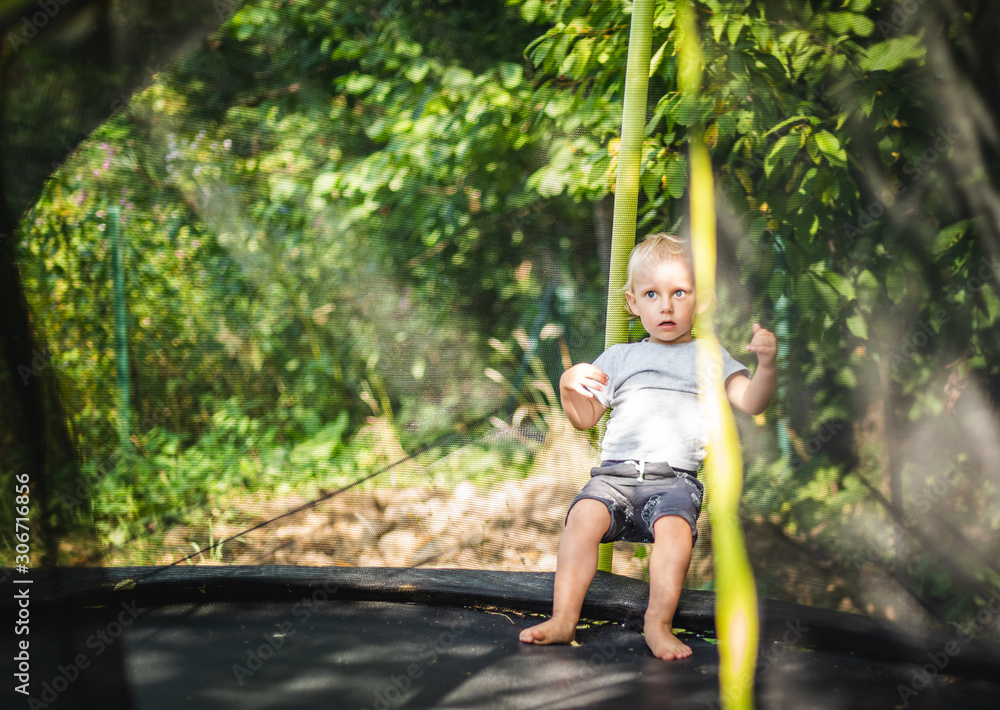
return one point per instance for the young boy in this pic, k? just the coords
(646, 488)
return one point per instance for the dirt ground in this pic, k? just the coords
(512, 525)
(515, 526)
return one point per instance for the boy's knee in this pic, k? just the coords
(589, 513)
(671, 526)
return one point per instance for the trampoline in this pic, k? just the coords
(294, 637)
(398, 545)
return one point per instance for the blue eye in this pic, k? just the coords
(680, 293)
(650, 294)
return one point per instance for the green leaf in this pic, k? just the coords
(844, 22)
(654, 63)
(793, 119)
(989, 303)
(840, 283)
(893, 53)
(783, 152)
(757, 227)
(797, 261)
(676, 174)
(858, 326)
(510, 74)
(828, 144)
(358, 83)
(895, 283)
(736, 25)
(827, 295)
(866, 279)
(745, 121)
(650, 182)
(416, 70)
(530, 9)
(847, 378)
(727, 126)
(324, 183)
(867, 289)
(950, 236)
(558, 105)
(687, 112)
(813, 149)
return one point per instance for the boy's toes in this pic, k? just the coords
(530, 635)
(673, 654)
(548, 632)
(663, 643)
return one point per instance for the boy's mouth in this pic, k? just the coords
(667, 323)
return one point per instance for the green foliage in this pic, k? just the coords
(817, 118)
(331, 235)
(333, 209)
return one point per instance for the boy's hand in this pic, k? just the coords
(765, 345)
(583, 378)
(576, 390)
(752, 395)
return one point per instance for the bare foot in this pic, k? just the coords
(662, 642)
(551, 631)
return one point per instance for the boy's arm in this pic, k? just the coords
(581, 406)
(753, 395)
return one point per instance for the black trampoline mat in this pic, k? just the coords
(381, 655)
(244, 638)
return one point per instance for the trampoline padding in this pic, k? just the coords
(289, 637)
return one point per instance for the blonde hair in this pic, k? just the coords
(656, 247)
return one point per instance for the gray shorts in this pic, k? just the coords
(637, 503)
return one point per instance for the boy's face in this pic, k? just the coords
(662, 296)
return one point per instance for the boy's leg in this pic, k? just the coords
(668, 565)
(576, 565)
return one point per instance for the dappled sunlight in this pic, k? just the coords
(341, 283)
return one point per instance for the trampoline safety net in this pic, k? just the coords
(288, 288)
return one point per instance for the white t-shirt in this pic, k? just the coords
(652, 392)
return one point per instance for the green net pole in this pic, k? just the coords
(736, 618)
(121, 330)
(627, 184)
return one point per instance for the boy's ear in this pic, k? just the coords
(630, 303)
